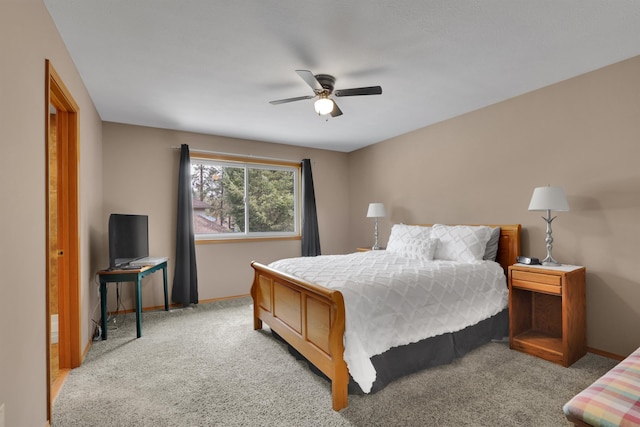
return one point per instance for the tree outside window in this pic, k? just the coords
(237, 199)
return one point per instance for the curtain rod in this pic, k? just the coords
(251, 156)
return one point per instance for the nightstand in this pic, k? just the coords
(368, 249)
(547, 312)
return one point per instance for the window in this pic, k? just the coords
(242, 198)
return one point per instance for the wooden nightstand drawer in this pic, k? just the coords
(537, 282)
(528, 276)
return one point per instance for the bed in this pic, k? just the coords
(311, 317)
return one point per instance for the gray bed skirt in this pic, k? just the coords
(439, 350)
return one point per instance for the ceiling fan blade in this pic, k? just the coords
(311, 80)
(336, 110)
(370, 90)
(284, 101)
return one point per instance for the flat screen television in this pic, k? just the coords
(128, 239)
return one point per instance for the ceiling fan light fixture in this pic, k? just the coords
(323, 106)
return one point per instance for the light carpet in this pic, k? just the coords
(206, 366)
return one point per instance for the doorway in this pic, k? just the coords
(62, 293)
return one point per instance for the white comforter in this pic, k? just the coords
(392, 301)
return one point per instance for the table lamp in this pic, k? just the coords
(376, 210)
(549, 199)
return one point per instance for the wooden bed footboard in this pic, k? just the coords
(309, 317)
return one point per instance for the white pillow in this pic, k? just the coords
(418, 248)
(464, 243)
(401, 234)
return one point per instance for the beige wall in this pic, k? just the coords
(27, 37)
(582, 134)
(140, 176)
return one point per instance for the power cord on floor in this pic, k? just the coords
(117, 318)
(97, 331)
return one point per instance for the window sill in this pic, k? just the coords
(245, 239)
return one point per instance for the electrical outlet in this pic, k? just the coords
(2, 415)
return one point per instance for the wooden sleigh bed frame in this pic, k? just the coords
(311, 318)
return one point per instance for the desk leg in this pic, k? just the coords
(103, 308)
(139, 306)
(166, 291)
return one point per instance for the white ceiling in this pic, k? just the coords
(212, 66)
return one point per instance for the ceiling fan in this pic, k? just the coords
(322, 85)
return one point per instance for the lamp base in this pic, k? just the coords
(548, 260)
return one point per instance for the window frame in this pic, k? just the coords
(255, 163)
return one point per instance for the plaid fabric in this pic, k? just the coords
(613, 400)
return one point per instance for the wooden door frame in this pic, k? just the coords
(64, 225)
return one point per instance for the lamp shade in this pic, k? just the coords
(376, 210)
(323, 106)
(549, 198)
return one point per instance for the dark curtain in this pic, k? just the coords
(185, 279)
(310, 236)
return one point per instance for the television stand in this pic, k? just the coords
(134, 276)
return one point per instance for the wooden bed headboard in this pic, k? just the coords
(508, 245)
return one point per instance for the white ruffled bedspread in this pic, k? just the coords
(392, 301)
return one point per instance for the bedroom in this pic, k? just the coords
(581, 133)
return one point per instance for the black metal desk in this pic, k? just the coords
(134, 276)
